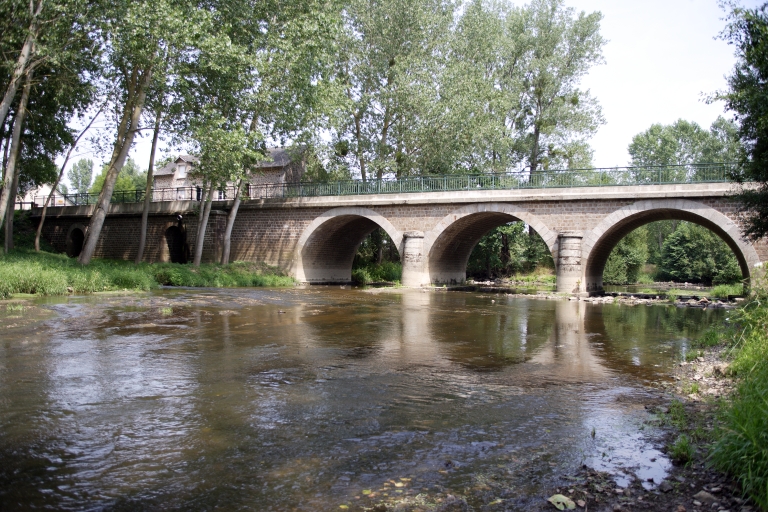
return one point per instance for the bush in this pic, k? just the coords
(695, 254)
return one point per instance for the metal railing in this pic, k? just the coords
(617, 176)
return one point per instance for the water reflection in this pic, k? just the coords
(303, 398)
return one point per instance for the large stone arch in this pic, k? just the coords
(327, 247)
(450, 243)
(600, 241)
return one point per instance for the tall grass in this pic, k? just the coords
(741, 446)
(25, 271)
(722, 291)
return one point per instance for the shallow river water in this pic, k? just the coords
(321, 398)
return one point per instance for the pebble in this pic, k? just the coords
(704, 497)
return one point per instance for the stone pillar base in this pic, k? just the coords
(414, 274)
(569, 268)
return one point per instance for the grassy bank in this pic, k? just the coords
(25, 271)
(741, 442)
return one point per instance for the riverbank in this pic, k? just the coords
(716, 419)
(713, 418)
(42, 273)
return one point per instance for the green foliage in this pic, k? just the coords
(627, 259)
(677, 416)
(682, 450)
(711, 338)
(81, 175)
(131, 177)
(25, 271)
(684, 142)
(746, 96)
(694, 254)
(741, 446)
(722, 291)
(507, 250)
(386, 272)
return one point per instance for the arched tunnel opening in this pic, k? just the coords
(328, 255)
(486, 245)
(666, 245)
(74, 243)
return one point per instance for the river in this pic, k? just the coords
(325, 398)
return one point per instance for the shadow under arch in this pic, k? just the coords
(327, 247)
(599, 242)
(449, 244)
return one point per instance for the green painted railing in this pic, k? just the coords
(606, 177)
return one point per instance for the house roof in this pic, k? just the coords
(280, 157)
(170, 167)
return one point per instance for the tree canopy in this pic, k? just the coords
(747, 98)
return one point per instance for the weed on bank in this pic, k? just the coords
(29, 272)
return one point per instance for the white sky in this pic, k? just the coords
(661, 58)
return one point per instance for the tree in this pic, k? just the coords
(389, 60)
(678, 144)
(747, 98)
(81, 175)
(223, 148)
(136, 34)
(627, 258)
(554, 117)
(51, 45)
(130, 179)
(694, 254)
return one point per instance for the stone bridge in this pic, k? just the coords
(315, 238)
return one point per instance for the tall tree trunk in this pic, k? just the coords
(204, 214)
(137, 93)
(534, 159)
(12, 169)
(9, 215)
(22, 63)
(359, 151)
(148, 191)
(231, 222)
(61, 175)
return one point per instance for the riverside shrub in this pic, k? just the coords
(741, 446)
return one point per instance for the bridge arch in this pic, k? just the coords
(600, 241)
(327, 247)
(449, 244)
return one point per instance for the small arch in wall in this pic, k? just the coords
(75, 240)
(176, 240)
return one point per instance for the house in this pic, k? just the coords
(175, 178)
(35, 198)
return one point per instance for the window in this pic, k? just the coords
(181, 171)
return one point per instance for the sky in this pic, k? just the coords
(661, 59)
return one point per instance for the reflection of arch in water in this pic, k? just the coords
(176, 239)
(449, 244)
(599, 242)
(75, 239)
(328, 245)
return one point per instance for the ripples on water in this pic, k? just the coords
(308, 399)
